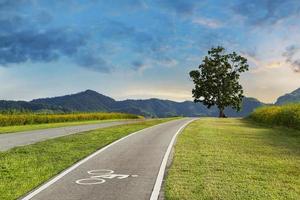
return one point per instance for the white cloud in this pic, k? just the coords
(211, 23)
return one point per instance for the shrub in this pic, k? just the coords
(286, 115)
(31, 118)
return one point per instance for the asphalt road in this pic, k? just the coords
(129, 169)
(10, 140)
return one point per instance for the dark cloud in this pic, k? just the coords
(35, 46)
(126, 4)
(116, 30)
(291, 54)
(139, 41)
(43, 17)
(29, 37)
(121, 32)
(46, 46)
(266, 12)
(6, 5)
(10, 24)
(22, 39)
(151, 45)
(291, 51)
(14, 15)
(183, 7)
(93, 62)
(296, 65)
(137, 65)
(25, 38)
(147, 43)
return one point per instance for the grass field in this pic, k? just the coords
(31, 118)
(234, 159)
(30, 127)
(24, 168)
(286, 115)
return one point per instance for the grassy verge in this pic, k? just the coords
(234, 159)
(24, 168)
(30, 127)
(286, 115)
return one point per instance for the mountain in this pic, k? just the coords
(248, 105)
(87, 101)
(91, 101)
(289, 98)
(29, 106)
(162, 108)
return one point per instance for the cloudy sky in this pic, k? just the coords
(143, 48)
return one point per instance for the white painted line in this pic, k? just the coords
(65, 172)
(160, 176)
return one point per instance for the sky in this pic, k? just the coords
(141, 49)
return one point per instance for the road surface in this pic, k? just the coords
(10, 140)
(131, 168)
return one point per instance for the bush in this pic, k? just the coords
(286, 115)
(31, 118)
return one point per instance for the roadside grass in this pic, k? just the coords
(31, 127)
(234, 159)
(24, 168)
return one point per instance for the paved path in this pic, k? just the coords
(127, 169)
(10, 140)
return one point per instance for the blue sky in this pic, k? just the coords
(143, 48)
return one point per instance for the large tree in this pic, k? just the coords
(217, 80)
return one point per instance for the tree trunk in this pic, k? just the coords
(222, 114)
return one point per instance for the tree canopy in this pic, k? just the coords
(217, 80)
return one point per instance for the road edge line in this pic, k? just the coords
(162, 169)
(39, 189)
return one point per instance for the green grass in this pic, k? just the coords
(234, 159)
(24, 168)
(286, 115)
(30, 127)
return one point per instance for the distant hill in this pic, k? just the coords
(162, 108)
(29, 106)
(87, 101)
(248, 105)
(289, 98)
(91, 101)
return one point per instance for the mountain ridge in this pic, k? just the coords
(292, 97)
(92, 101)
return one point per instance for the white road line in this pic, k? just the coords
(160, 176)
(65, 172)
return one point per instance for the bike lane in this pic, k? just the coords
(126, 170)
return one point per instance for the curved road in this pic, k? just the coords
(10, 140)
(131, 168)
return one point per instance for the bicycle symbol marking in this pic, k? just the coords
(98, 177)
